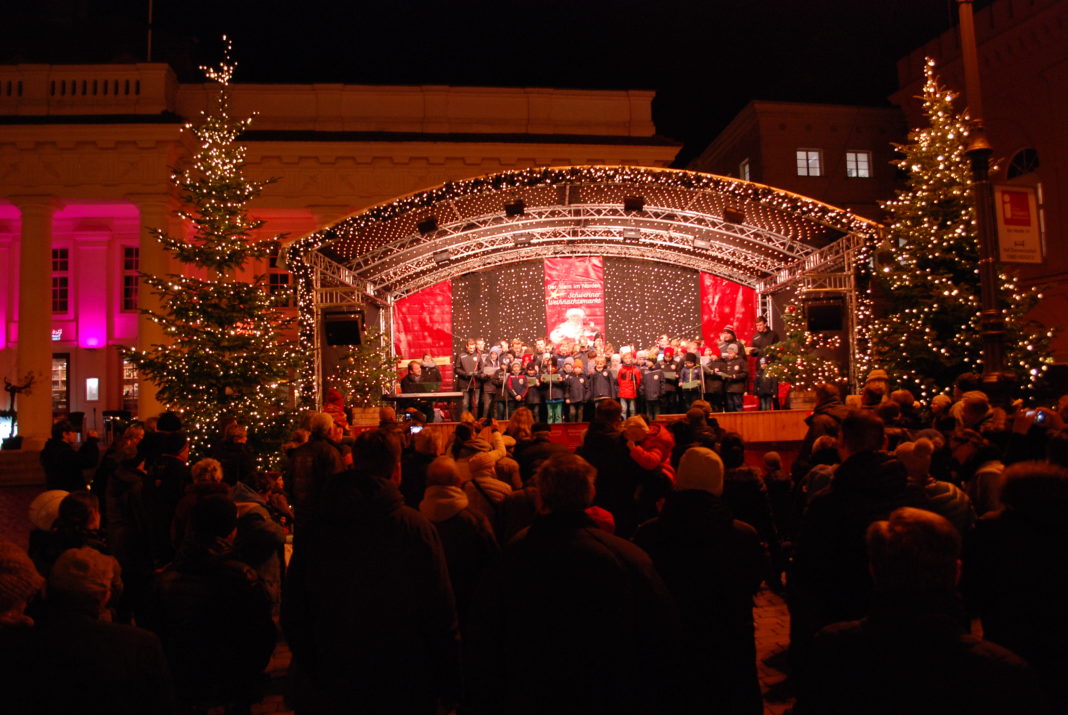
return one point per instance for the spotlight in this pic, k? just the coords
(631, 235)
(522, 240)
(634, 203)
(701, 244)
(427, 225)
(733, 215)
(517, 208)
(442, 257)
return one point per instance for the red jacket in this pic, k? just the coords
(630, 379)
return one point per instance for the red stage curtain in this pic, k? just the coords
(574, 283)
(422, 323)
(726, 303)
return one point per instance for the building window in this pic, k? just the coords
(858, 164)
(130, 387)
(60, 384)
(743, 170)
(278, 280)
(131, 277)
(1023, 162)
(60, 280)
(809, 162)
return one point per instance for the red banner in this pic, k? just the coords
(422, 323)
(725, 303)
(574, 297)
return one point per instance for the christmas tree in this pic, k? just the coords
(800, 358)
(929, 332)
(226, 352)
(365, 374)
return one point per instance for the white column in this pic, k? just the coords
(34, 347)
(157, 211)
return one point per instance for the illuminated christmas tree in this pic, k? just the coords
(800, 358)
(930, 330)
(365, 374)
(226, 351)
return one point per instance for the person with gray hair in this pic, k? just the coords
(313, 462)
(911, 653)
(572, 615)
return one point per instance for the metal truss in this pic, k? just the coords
(758, 250)
(510, 254)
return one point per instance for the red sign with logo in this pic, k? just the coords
(574, 298)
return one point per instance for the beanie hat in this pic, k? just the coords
(916, 456)
(700, 468)
(83, 570)
(636, 428)
(482, 464)
(45, 508)
(18, 577)
(690, 357)
(169, 422)
(878, 375)
(772, 459)
(669, 351)
(730, 329)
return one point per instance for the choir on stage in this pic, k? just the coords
(564, 381)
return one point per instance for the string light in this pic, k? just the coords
(227, 353)
(800, 357)
(930, 333)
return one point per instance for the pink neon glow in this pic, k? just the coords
(8, 212)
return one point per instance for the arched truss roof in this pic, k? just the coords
(753, 234)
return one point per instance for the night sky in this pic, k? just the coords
(704, 58)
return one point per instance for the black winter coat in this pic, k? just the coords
(831, 553)
(910, 655)
(367, 605)
(215, 624)
(64, 467)
(712, 565)
(574, 620)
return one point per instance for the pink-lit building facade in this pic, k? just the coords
(85, 158)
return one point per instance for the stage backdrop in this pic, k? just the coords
(574, 297)
(725, 303)
(633, 301)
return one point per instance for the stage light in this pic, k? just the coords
(733, 215)
(701, 244)
(631, 235)
(634, 203)
(517, 208)
(442, 257)
(427, 225)
(522, 240)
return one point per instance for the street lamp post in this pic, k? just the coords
(992, 323)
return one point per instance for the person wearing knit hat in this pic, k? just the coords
(85, 573)
(19, 582)
(942, 498)
(45, 508)
(713, 565)
(700, 468)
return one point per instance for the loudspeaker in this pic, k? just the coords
(342, 330)
(517, 208)
(634, 203)
(427, 225)
(733, 215)
(824, 315)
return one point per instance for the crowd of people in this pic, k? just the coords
(490, 568)
(563, 380)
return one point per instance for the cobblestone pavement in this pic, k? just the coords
(771, 617)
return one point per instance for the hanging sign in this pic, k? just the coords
(1019, 226)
